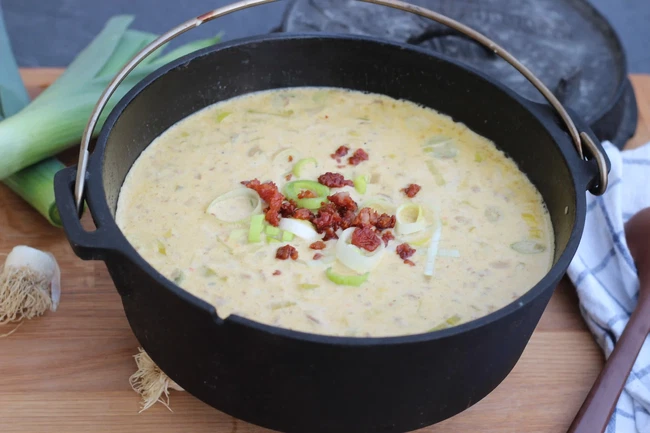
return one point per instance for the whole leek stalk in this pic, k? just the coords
(32, 132)
(33, 184)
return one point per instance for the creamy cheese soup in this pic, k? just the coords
(428, 224)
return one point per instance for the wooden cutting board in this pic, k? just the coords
(68, 371)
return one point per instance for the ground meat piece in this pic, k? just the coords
(357, 157)
(288, 209)
(343, 202)
(365, 238)
(318, 245)
(408, 262)
(288, 177)
(340, 152)
(290, 158)
(277, 272)
(404, 251)
(385, 221)
(334, 180)
(317, 256)
(286, 252)
(387, 237)
(412, 190)
(307, 194)
(268, 192)
(303, 214)
(366, 217)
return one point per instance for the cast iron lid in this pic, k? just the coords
(566, 43)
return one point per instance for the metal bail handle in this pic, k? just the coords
(578, 138)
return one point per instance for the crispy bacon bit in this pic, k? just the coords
(288, 177)
(268, 192)
(318, 245)
(288, 209)
(366, 217)
(404, 251)
(385, 221)
(326, 218)
(286, 252)
(347, 218)
(334, 180)
(277, 272)
(412, 190)
(303, 214)
(358, 157)
(365, 238)
(387, 237)
(330, 233)
(307, 194)
(343, 202)
(290, 158)
(340, 152)
(317, 256)
(408, 262)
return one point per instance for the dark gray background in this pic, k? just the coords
(51, 32)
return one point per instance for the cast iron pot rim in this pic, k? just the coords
(97, 202)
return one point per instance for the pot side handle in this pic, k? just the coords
(88, 245)
(595, 165)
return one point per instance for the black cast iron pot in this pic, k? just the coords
(299, 382)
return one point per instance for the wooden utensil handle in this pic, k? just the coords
(600, 403)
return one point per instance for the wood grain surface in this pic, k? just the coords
(68, 371)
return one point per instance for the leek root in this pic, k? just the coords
(30, 284)
(151, 382)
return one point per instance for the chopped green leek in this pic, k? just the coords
(300, 165)
(209, 272)
(284, 113)
(162, 249)
(292, 189)
(528, 247)
(272, 231)
(440, 180)
(445, 150)
(178, 276)
(346, 280)
(452, 321)
(478, 157)
(221, 115)
(270, 240)
(255, 229)
(287, 236)
(530, 219)
(283, 304)
(55, 120)
(306, 286)
(361, 183)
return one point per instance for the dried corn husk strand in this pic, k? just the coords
(30, 284)
(151, 382)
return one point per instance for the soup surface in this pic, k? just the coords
(471, 233)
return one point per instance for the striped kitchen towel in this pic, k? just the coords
(605, 276)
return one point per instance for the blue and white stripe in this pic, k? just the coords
(605, 276)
